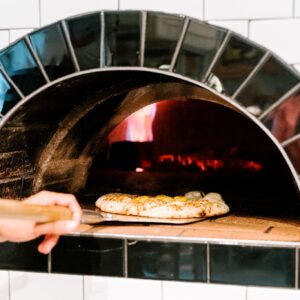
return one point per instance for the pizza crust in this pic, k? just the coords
(192, 205)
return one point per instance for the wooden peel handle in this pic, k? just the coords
(13, 209)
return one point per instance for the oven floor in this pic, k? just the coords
(233, 226)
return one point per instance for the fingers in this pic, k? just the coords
(58, 227)
(53, 198)
(48, 243)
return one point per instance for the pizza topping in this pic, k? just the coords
(191, 205)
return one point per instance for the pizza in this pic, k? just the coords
(192, 205)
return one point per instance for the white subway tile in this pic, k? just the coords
(297, 67)
(19, 14)
(18, 33)
(54, 10)
(4, 286)
(280, 36)
(37, 286)
(196, 291)
(257, 293)
(297, 8)
(193, 8)
(4, 38)
(109, 288)
(247, 9)
(240, 27)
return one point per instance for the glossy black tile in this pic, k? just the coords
(167, 261)
(237, 61)
(8, 96)
(50, 45)
(252, 265)
(21, 67)
(162, 34)
(85, 37)
(199, 47)
(122, 38)
(271, 82)
(22, 257)
(87, 255)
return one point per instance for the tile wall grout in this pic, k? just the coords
(9, 292)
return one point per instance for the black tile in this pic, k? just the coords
(21, 67)
(50, 45)
(22, 257)
(85, 37)
(122, 38)
(161, 38)
(199, 46)
(271, 82)
(252, 265)
(88, 255)
(167, 261)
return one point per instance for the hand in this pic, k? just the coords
(25, 230)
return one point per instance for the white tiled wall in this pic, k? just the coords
(282, 36)
(255, 293)
(19, 14)
(37, 286)
(41, 286)
(193, 8)
(248, 9)
(297, 8)
(4, 286)
(53, 10)
(196, 291)
(4, 38)
(108, 288)
(273, 23)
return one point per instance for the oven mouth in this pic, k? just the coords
(56, 129)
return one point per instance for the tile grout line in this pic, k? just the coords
(294, 9)
(297, 268)
(40, 13)
(9, 287)
(208, 263)
(82, 287)
(125, 258)
(248, 28)
(49, 262)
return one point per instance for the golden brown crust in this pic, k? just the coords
(162, 206)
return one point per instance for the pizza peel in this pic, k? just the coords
(13, 209)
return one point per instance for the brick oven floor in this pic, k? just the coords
(232, 226)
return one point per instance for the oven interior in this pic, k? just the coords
(83, 136)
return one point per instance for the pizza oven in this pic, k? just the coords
(150, 103)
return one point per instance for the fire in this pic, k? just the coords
(205, 164)
(139, 124)
(135, 128)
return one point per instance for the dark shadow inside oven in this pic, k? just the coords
(175, 146)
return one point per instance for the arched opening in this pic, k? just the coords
(200, 141)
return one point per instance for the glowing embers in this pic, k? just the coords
(197, 162)
(187, 136)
